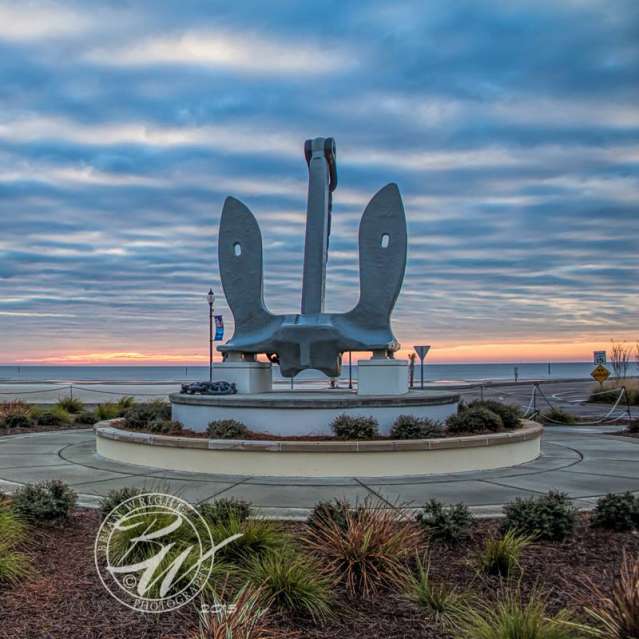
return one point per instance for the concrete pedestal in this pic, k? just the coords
(382, 377)
(248, 377)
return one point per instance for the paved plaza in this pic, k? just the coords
(584, 462)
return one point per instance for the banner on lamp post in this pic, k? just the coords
(219, 328)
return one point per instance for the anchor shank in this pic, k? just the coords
(317, 227)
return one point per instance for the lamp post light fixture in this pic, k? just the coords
(211, 300)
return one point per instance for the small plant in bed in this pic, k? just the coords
(48, 501)
(71, 404)
(56, 416)
(87, 417)
(556, 415)
(227, 429)
(115, 497)
(223, 510)
(510, 414)
(500, 555)
(616, 512)
(292, 583)
(141, 416)
(17, 420)
(411, 427)
(353, 427)
(14, 564)
(474, 420)
(15, 414)
(370, 552)
(551, 517)
(334, 511)
(450, 524)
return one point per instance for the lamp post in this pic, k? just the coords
(211, 300)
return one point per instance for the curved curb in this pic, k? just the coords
(530, 430)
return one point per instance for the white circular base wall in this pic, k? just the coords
(308, 412)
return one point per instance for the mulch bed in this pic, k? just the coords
(65, 599)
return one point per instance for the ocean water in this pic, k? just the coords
(443, 373)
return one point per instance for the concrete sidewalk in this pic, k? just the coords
(583, 462)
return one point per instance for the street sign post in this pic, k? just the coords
(421, 353)
(599, 357)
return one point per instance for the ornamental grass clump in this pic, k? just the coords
(71, 404)
(15, 414)
(550, 517)
(14, 564)
(616, 512)
(48, 501)
(87, 417)
(227, 429)
(616, 612)
(353, 427)
(241, 617)
(260, 537)
(292, 583)
(514, 616)
(436, 599)
(500, 555)
(449, 524)
(474, 420)
(223, 510)
(107, 410)
(411, 427)
(369, 554)
(116, 497)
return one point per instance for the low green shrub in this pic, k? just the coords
(500, 555)
(47, 501)
(14, 411)
(125, 403)
(55, 416)
(514, 615)
(437, 600)
(510, 413)
(115, 497)
(107, 410)
(556, 415)
(222, 510)
(140, 416)
(411, 427)
(71, 404)
(292, 583)
(14, 564)
(87, 417)
(165, 427)
(551, 517)
(227, 429)
(329, 511)
(17, 420)
(474, 420)
(354, 427)
(448, 524)
(616, 512)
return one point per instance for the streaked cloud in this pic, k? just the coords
(512, 131)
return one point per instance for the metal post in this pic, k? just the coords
(421, 373)
(350, 370)
(481, 392)
(292, 385)
(71, 390)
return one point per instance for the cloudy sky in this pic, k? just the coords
(512, 129)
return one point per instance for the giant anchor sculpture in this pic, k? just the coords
(313, 338)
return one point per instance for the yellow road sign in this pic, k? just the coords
(600, 374)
